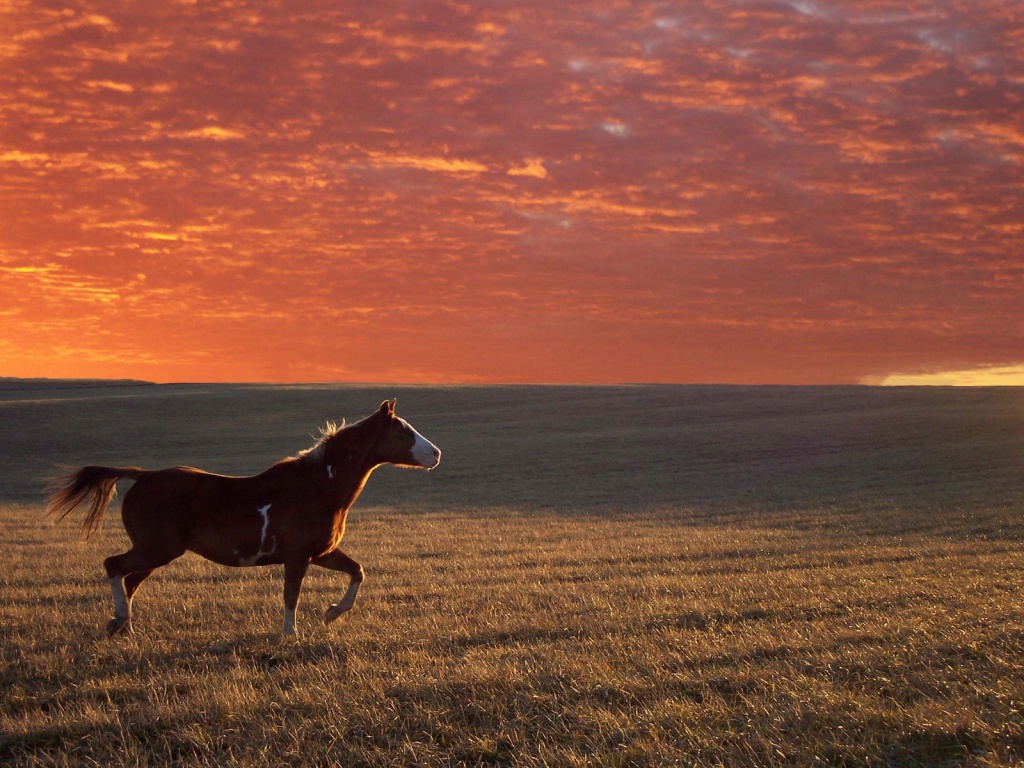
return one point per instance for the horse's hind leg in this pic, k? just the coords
(125, 572)
(132, 582)
(122, 621)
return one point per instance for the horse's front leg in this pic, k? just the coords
(294, 573)
(336, 560)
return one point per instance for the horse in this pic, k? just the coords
(292, 514)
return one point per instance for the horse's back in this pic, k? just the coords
(173, 481)
(165, 500)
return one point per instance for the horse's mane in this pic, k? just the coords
(316, 451)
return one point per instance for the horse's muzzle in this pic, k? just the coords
(425, 453)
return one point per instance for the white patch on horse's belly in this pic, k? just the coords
(265, 514)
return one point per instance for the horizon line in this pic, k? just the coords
(994, 376)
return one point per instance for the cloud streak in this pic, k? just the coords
(721, 191)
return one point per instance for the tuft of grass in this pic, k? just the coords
(508, 636)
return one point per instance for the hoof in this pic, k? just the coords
(119, 626)
(335, 611)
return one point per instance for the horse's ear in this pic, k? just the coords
(394, 402)
(387, 408)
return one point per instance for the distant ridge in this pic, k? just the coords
(12, 382)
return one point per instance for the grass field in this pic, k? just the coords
(593, 576)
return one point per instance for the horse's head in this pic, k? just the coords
(400, 444)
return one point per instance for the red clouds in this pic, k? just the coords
(727, 191)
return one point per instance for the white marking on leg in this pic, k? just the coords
(265, 513)
(289, 621)
(345, 604)
(424, 452)
(349, 599)
(121, 608)
(330, 472)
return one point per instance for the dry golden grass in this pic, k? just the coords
(560, 630)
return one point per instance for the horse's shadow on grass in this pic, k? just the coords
(267, 652)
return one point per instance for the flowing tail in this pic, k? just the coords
(94, 486)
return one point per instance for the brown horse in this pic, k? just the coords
(291, 514)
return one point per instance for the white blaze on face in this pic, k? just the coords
(424, 452)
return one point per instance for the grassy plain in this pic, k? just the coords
(593, 576)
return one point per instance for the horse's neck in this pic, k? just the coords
(348, 466)
(348, 485)
(347, 489)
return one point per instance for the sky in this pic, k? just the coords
(725, 191)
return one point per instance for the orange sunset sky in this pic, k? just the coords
(793, 191)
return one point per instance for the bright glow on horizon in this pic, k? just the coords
(993, 376)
